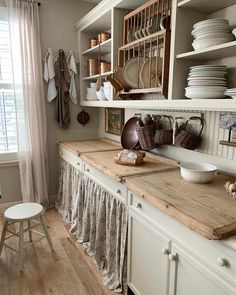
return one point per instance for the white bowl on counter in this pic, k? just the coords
(197, 172)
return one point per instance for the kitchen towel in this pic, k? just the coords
(73, 71)
(49, 75)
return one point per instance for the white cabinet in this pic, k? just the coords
(166, 258)
(148, 258)
(189, 276)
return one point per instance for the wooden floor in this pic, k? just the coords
(68, 272)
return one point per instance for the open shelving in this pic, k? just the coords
(108, 16)
(105, 48)
(214, 52)
(205, 5)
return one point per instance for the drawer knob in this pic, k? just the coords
(222, 261)
(172, 257)
(165, 251)
(87, 170)
(78, 163)
(138, 205)
(118, 192)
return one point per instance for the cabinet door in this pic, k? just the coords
(190, 276)
(148, 263)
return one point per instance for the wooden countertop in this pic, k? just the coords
(104, 161)
(204, 208)
(87, 146)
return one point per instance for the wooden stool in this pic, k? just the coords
(25, 212)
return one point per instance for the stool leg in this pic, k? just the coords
(30, 233)
(46, 233)
(3, 236)
(21, 245)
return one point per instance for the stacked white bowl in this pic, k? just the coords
(211, 32)
(108, 90)
(231, 92)
(206, 82)
(91, 92)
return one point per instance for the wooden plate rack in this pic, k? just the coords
(147, 38)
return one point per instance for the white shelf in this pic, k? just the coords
(105, 48)
(97, 76)
(206, 6)
(214, 52)
(178, 104)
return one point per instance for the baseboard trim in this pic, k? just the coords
(3, 207)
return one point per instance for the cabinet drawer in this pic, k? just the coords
(214, 254)
(71, 158)
(116, 188)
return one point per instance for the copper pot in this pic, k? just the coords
(105, 67)
(102, 37)
(93, 42)
(92, 67)
(129, 136)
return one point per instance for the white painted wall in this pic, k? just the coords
(224, 157)
(57, 19)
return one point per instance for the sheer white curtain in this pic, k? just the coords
(30, 103)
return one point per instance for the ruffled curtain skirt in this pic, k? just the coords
(98, 220)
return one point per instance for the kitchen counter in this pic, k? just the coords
(87, 146)
(204, 208)
(104, 161)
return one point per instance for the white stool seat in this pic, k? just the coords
(23, 211)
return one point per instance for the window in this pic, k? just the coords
(8, 128)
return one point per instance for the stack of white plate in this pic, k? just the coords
(211, 32)
(91, 92)
(206, 81)
(231, 92)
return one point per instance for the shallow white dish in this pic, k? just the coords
(197, 172)
(202, 44)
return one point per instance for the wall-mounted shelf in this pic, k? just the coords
(105, 48)
(178, 104)
(96, 76)
(214, 52)
(206, 6)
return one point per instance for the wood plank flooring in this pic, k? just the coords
(69, 271)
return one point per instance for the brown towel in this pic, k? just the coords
(62, 84)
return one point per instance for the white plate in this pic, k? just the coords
(131, 71)
(150, 81)
(211, 21)
(208, 66)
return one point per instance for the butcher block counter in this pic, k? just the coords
(104, 161)
(204, 208)
(93, 145)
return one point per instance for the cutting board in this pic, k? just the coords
(104, 161)
(204, 208)
(94, 145)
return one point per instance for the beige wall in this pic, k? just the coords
(10, 184)
(57, 31)
(57, 19)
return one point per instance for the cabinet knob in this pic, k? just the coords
(172, 257)
(78, 164)
(118, 192)
(222, 261)
(165, 251)
(138, 205)
(87, 170)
